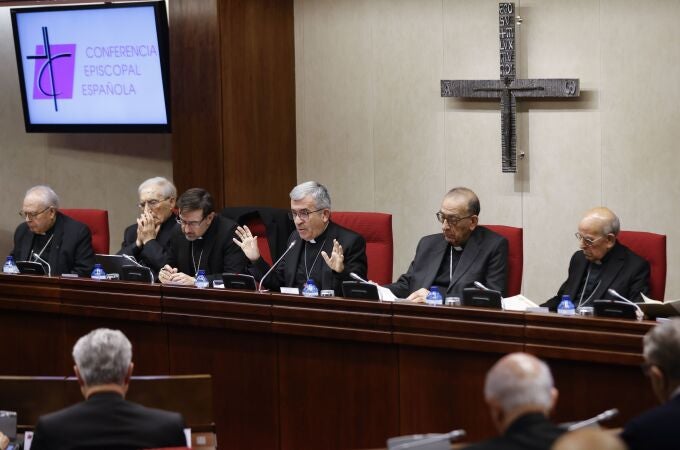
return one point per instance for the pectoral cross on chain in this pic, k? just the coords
(508, 89)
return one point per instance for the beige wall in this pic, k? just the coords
(87, 171)
(372, 126)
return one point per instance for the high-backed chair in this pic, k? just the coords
(515, 239)
(97, 220)
(652, 247)
(376, 228)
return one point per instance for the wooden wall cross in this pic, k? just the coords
(508, 88)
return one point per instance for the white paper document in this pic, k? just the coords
(518, 303)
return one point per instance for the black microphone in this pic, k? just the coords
(292, 244)
(608, 414)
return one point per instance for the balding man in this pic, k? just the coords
(658, 428)
(48, 235)
(464, 252)
(602, 263)
(520, 394)
(591, 438)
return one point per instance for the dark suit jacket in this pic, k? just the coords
(656, 429)
(623, 271)
(353, 249)
(107, 421)
(529, 432)
(275, 220)
(484, 259)
(71, 246)
(220, 254)
(153, 254)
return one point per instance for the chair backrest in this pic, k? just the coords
(256, 226)
(515, 237)
(376, 228)
(652, 247)
(97, 220)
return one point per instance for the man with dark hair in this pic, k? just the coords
(602, 263)
(50, 236)
(657, 428)
(148, 240)
(105, 420)
(204, 241)
(323, 251)
(464, 252)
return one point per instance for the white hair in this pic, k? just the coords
(165, 186)
(46, 194)
(318, 191)
(519, 380)
(662, 348)
(103, 356)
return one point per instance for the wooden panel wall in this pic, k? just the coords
(233, 99)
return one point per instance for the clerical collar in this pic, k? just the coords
(457, 248)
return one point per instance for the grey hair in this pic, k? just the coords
(318, 191)
(612, 226)
(103, 356)
(166, 188)
(527, 381)
(49, 197)
(661, 347)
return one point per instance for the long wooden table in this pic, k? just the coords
(291, 372)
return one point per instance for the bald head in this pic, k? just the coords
(467, 197)
(597, 231)
(602, 220)
(589, 439)
(520, 380)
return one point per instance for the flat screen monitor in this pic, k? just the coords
(93, 68)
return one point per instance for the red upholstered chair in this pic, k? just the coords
(376, 228)
(256, 226)
(652, 247)
(97, 221)
(515, 239)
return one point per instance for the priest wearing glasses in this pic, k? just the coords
(602, 263)
(203, 242)
(322, 250)
(49, 237)
(464, 252)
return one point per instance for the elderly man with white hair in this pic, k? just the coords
(520, 394)
(103, 366)
(46, 235)
(322, 250)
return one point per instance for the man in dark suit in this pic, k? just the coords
(520, 394)
(463, 253)
(657, 428)
(50, 236)
(204, 241)
(602, 263)
(322, 250)
(105, 420)
(148, 240)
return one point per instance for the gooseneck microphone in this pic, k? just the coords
(612, 292)
(357, 277)
(481, 286)
(34, 255)
(259, 288)
(608, 414)
(133, 260)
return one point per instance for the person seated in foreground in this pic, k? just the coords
(323, 251)
(464, 252)
(590, 438)
(47, 235)
(105, 420)
(520, 394)
(602, 263)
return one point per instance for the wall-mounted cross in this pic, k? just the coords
(508, 88)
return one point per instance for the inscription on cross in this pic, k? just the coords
(508, 88)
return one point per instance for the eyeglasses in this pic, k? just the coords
(152, 203)
(303, 215)
(32, 215)
(190, 224)
(451, 220)
(587, 241)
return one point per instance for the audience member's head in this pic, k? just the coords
(591, 438)
(459, 215)
(310, 209)
(516, 385)
(597, 233)
(103, 361)
(39, 208)
(661, 350)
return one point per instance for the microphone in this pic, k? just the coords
(357, 277)
(481, 286)
(423, 440)
(132, 260)
(608, 414)
(259, 288)
(621, 297)
(42, 261)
